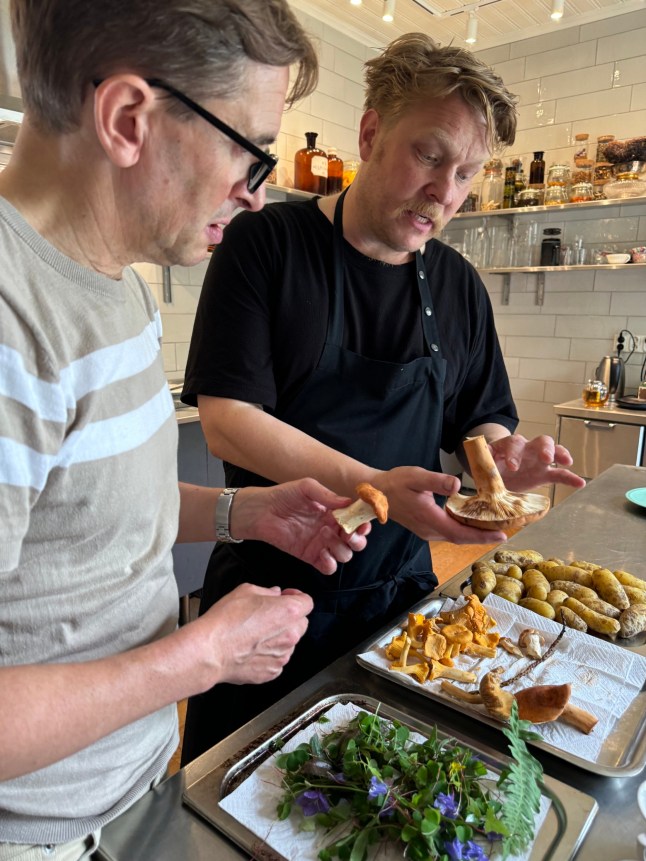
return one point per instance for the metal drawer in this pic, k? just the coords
(596, 445)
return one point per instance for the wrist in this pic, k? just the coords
(223, 507)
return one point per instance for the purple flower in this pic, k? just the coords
(447, 805)
(377, 787)
(339, 777)
(313, 801)
(468, 851)
(473, 852)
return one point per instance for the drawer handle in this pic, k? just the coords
(600, 425)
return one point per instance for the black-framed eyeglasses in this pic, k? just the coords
(259, 170)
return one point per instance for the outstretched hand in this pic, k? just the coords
(525, 465)
(296, 517)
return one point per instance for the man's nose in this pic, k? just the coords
(441, 188)
(254, 201)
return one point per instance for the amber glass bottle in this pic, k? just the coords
(310, 167)
(537, 170)
(334, 171)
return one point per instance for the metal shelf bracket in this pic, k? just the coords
(506, 287)
(540, 288)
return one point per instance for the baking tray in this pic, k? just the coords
(568, 819)
(622, 754)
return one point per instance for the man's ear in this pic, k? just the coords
(122, 107)
(368, 128)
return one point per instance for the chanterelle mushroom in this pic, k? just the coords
(370, 504)
(493, 506)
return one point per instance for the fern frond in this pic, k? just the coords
(521, 784)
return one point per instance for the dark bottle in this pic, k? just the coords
(310, 167)
(510, 188)
(537, 170)
(551, 247)
(334, 171)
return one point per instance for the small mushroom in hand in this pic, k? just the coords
(531, 642)
(371, 504)
(493, 506)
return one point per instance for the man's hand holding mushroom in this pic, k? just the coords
(526, 464)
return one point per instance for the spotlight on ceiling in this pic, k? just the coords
(389, 10)
(557, 10)
(355, 2)
(472, 29)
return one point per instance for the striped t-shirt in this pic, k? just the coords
(88, 511)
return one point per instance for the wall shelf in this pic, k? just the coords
(559, 207)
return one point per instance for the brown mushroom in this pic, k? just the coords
(371, 504)
(493, 506)
(538, 704)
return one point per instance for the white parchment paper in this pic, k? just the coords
(605, 678)
(255, 800)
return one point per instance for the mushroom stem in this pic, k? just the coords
(483, 467)
(578, 718)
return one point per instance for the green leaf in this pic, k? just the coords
(284, 809)
(360, 848)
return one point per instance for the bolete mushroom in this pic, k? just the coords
(537, 704)
(493, 506)
(371, 504)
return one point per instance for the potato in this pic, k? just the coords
(565, 572)
(512, 582)
(574, 590)
(540, 607)
(609, 588)
(632, 621)
(536, 584)
(556, 597)
(483, 582)
(522, 558)
(569, 617)
(490, 565)
(508, 594)
(600, 606)
(627, 579)
(588, 566)
(635, 596)
(595, 621)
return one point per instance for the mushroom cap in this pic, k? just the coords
(538, 505)
(375, 498)
(542, 703)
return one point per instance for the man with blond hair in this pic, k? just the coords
(373, 348)
(146, 124)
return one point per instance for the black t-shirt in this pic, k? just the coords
(262, 317)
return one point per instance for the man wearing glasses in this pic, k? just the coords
(113, 165)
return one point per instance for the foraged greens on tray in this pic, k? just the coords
(372, 782)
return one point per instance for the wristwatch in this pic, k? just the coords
(223, 516)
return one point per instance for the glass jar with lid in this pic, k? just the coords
(581, 191)
(493, 186)
(559, 174)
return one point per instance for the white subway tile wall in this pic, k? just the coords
(591, 79)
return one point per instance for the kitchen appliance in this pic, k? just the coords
(611, 372)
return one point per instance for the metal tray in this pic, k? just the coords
(568, 819)
(624, 750)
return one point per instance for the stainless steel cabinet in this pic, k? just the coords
(596, 443)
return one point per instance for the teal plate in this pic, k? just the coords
(637, 495)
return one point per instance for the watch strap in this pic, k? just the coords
(223, 516)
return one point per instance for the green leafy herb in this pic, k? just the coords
(370, 783)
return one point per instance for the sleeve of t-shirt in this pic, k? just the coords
(230, 354)
(482, 393)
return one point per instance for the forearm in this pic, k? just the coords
(50, 711)
(253, 439)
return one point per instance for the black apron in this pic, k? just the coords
(384, 414)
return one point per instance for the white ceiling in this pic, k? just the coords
(499, 21)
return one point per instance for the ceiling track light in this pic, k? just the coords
(472, 29)
(355, 2)
(389, 11)
(557, 10)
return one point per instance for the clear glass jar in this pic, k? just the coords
(493, 186)
(556, 194)
(581, 191)
(559, 174)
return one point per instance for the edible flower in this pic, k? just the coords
(377, 787)
(447, 805)
(469, 851)
(313, 801)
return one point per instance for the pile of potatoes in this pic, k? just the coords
(582, 595)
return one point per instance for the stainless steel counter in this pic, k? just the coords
(596, 523)
(613, 413)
